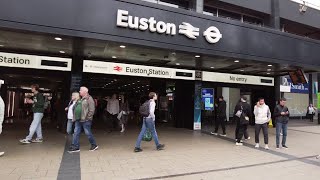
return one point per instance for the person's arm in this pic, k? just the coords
(91, 109)
(118, 107)
(1, 113)
(276, 112)
(255, 111)
(269, 114)
(152, 109)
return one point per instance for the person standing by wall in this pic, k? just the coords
(70, 111)
(311, 111)
(221, 117)
(148, 122)
(262, 117)
(281, 114)
(38, 109)
(113, 108)
(2, 107)
(84, 111)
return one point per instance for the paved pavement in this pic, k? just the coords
(188, 155)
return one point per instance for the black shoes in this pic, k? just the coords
(73, 150)
(137, 150)
(94, 147)
(284, 146)
(160, 147)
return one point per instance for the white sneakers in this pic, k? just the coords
(266, 147)
(239, 144)
(1, 154)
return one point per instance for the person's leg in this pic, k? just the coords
(142, 132)
(151, 126)
(237, 128)
(39, 128)
(285, 133)
(76, 135)
(217, 124)
(240, 133)
(34, 125)
(278, 129)
(245, 132)
(223, 125)
(257, 132)
(87, 130)
(69, 126)
(265, 133)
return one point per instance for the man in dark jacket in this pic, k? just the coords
(37, 109)
(281, 113)
(242, 113)
(221, 117)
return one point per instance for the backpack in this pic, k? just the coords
(144, 109)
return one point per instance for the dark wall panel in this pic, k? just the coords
(290, 10)
(257, 5)
(97, 19)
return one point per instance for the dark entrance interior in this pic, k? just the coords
(175, 97)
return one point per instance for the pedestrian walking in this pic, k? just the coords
(70, 111)
(147, 110)
(281, 113)
(221, 117)
(37, 108)
(113, 108)
(83, 116)
(262, 117)
(242, 113)
(124, 114)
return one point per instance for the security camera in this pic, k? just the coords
(303, 7)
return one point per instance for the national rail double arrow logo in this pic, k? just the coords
(117, 68)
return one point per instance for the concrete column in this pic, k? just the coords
(275, 15)
(226, 96)
(77, 65)
(197, 5)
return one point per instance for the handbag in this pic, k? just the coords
(147, 136)
(244, 119)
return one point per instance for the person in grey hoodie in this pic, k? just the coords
(1, 115)
(262, 117)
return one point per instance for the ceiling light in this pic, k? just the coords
(1, 45)
(236, 61)
(58, 39)
(178, 64)
(268, 73)
(138, 81)
(133, 83)
(197, 56)
(122, 46)
(270, 65)
(114, 57)
(268, 69)
(242, 70)
(62, 52)
(212, 67)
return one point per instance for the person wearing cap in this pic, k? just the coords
(221, 117)
(242, 114)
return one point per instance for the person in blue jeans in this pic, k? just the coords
(70, 111)
(148, 123)
(281, 114)
(83, 116)
(37, 108)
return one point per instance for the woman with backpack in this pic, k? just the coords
(147, 110)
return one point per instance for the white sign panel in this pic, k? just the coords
(136, 70)
(237, 79)
(35, 62)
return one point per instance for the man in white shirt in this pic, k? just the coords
(149, 123)
(262, 117)
(113, 109)
(1, 115)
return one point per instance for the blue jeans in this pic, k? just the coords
(69, 126)
(284, 128)
(87, 130)
(148, 123)
(35, 126)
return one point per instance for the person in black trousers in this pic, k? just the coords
(242, 113)
(221, 117)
